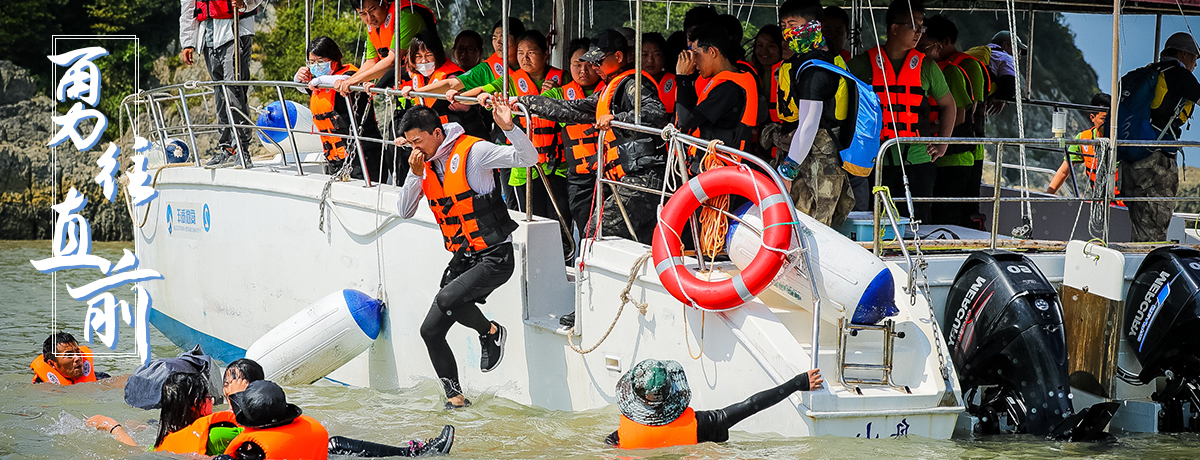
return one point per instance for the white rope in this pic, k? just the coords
(1026, 227)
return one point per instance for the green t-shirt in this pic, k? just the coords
(478, 76)
(220, 437)
(411, 24)
(516, 177)
(978, 78)
(932, 81)
(957, 81)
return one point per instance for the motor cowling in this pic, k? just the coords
(1004, 330)
(1162, 315)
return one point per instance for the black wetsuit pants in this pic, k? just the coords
(468, 280)
(339, 445)
(921, 178)
(714, 425)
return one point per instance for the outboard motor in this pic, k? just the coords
(1162, 317)
(1004, 330)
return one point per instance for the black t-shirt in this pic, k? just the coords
(722, 108)
(818, 84)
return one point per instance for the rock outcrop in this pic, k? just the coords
(31, 181)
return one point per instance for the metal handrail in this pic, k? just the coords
(996, 198)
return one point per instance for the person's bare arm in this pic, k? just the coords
(105, 423)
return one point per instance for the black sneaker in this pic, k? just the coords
(567, 320)
(491, 348)
(245, 159)
(439, 445)
(452, 406)
(220, 158)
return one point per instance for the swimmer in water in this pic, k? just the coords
(64, 362)
(188, 425)
(654, 397)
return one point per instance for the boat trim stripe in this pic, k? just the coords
(186, 337)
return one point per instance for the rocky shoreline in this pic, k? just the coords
(26, 187)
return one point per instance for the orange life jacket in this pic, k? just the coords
(1088, 152)
(544, 133)
(193, 439)
(958, 58)
(322, 102)
(579, 140)
(447, 70)
(680, 432)
(496, 64)
(905, 110)
(470, 221)
(43, 372)
(614, 168)
(381, 37)
(303, 439)
(742, 136)
(666, 91)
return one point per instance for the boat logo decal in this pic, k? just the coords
(207, 219)
(169, 219)
(1150, 306)
(454, 161)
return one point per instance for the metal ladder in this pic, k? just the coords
(889, 334)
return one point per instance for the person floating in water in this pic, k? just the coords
(654, 397)
(261, 424)
(64, 362)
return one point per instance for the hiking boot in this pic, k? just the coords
(491, 348)
(437, 446)
(452, 406)
(220, 158)
(567, 320)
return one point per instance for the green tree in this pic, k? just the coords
(282, 49)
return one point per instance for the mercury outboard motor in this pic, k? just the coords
(1004, 330)
(1162, 317)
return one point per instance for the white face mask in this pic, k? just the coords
(426, 69)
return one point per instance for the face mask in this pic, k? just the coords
(805, 38)
(321, 69)
(426, 69)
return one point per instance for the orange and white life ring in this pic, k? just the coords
(732, 292)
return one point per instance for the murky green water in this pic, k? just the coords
(45, 421)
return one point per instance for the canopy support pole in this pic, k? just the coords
(1109, 179)
(307, 30)
(637, 63)
(1157, 35)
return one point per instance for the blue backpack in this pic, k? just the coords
(1133, 113)
(858, 158)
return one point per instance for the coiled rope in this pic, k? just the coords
(625, 299)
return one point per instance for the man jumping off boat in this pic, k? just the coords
(456, 173)
(654, 396)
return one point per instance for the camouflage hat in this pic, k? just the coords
(606, 41)
(654, 392)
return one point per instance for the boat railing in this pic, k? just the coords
(997, 198)
(180, 94)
